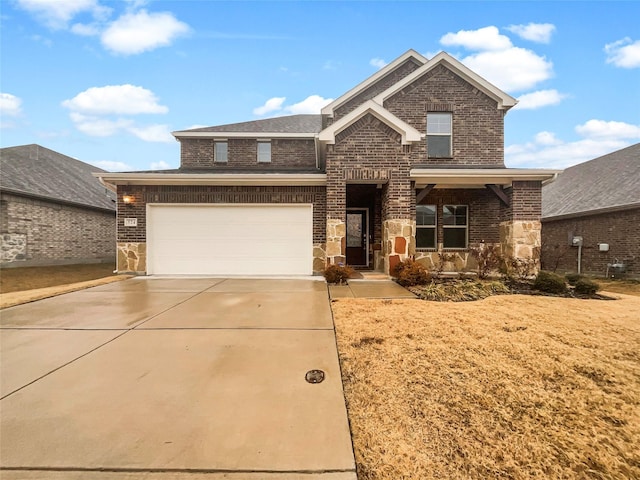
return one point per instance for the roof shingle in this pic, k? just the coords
(310, 124)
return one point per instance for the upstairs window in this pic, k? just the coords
(220, 152)
(426, 226)
(264, 152)
(439, 135)
(455, 225)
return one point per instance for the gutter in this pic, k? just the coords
(239, 179)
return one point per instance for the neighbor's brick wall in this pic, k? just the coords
(485, 211)
(380, 86)
(369, 151)
(621, 230)
(59, 234)
(144, 194)
(243, 153)
(478, 125)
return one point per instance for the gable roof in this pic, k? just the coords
(36, 171)
(409, 134)
(291, 125)
(409, 55)
(607, 183)
(505, 101)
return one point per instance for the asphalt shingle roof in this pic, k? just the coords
(609, 181)
(290, 124)
(38, 171)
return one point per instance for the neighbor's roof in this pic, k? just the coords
(607, 183)
(298, 125)
(36, 171)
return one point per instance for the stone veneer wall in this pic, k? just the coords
(398, 241)
(132, 257)
(35, 232)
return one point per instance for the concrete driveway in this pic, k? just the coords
(171, 378)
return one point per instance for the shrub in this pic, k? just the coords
(410, 273)
(444, 258)
(573, 278)
(549, 282)
(337, 273)
(488, 257)
(584, 286)
(520, 268)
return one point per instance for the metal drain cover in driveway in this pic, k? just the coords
(314, 376)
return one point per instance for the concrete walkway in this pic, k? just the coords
(161, 378)
(384, 289)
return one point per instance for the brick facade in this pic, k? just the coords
(620, 230)
(36, 232)
(243, 153)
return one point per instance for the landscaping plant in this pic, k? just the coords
(337, 273)
(488, 257)
(584, 286)
(409, 273)
(549, 282)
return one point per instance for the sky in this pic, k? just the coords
(107, 82)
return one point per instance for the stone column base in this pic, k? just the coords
(336, 242)
(398, 242)
(521, 240)
(319, 257)
(132, 258)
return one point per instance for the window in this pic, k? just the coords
(264, 152)
(426, 226)
(454, 222)
(220, 152)
(439, 135)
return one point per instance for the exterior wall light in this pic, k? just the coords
(127, 199)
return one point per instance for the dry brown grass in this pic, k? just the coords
(508, 387)
(29, 278)
(629, 287)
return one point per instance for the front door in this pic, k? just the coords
(357, 237)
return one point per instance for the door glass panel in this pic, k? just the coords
(354, 230)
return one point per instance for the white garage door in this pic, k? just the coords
(245, 239)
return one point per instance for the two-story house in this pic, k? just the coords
(409, 163)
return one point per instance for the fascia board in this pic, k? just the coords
(223, 135)
(239, 179)
(505, 101)
(479, 176)
(409, 134)
(328, 109)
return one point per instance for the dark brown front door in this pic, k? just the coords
(357, 231)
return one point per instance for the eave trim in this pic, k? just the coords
(479, 177)
(231, 179)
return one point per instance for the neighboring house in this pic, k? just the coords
(598, 200)
(409, 163)
(52, 210)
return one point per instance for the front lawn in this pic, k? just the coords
(511, 386)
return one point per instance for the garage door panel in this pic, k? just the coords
(230, 239)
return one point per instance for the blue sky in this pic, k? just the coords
(107, 81)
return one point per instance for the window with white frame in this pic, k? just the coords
(439, 135)
(426, 226)
(455, 222)
(220, 152)
(264, 152)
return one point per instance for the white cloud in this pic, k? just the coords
(487, 38)
(547, 151)
(138, 32)
(10, 105)
(85, 29)
(377, 62)
(99, 127)
(161, 165)
(153, 133)
(513, 69)
(311, 104)
(57, 13)
(272, 105)
(115, 99)
(112, 166)
(539, 99)
(535, 32)
(624, 53)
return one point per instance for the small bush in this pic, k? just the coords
(460, 291)
(410, 273)
(488, 257)
(584, 286)
(337, 273)
(549, 282)
(520, 268)
(573, 278)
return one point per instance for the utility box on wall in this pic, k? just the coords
(603, 247)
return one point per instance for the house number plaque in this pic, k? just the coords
(130, 222)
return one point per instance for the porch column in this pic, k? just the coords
(398, 225)
(520, 234)
(336, 219)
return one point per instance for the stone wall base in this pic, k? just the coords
(13, 248)
(335, 252)
(521, 240)
(319, 258)
(132, 258)
(398, 242)
(445, 261)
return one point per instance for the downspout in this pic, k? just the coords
(315, 144)
(579, 256)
